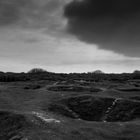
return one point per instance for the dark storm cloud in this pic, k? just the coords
(111, 24)
(10, 10)
(28, 13)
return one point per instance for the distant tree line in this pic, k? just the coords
(37, 70)
(41, 74)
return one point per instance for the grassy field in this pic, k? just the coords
(25, 112)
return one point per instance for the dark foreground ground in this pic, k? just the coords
(70, 110)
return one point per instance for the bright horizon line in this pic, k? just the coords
(26, 71)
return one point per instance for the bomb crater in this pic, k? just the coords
(98, 109)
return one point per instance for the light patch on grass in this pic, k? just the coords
(45, 118)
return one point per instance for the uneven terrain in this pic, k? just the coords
(70, 110)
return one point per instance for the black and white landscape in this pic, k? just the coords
(84, 77)
(41, 105)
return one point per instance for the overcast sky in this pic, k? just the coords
(70, 36)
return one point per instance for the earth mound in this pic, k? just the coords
(98, 109)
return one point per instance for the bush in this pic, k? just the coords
(37, 70)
